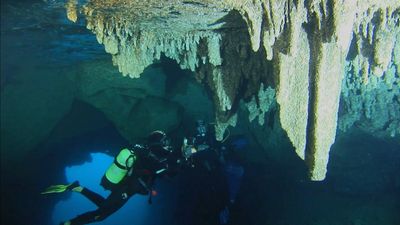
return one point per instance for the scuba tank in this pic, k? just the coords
(119, 168)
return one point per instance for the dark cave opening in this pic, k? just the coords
(66, 146)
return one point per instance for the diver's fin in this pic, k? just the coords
(60, 188)
(55, 189)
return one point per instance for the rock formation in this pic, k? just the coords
(136, 107)
(248, 50)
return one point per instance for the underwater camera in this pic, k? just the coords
(189, 147)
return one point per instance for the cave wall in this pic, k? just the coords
(135, 106)
(32, 108)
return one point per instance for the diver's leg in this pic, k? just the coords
(92, 196)
(111, 204)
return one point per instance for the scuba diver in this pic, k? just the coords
(217, 172)
(218, 167)
(233, 172)
(133, 172)
(200, 183)
(201, 148)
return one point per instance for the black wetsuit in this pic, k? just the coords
(202, 185)
(139, 182)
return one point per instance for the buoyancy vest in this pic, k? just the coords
(120, 167)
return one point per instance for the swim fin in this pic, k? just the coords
(60, 188)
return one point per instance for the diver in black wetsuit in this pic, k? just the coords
(216, 175)
(133, 172)
(202, 188)
(233, 170)
(201, 149)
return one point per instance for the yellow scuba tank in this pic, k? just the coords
(121, 165)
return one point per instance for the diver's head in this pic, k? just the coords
(159, 144)
(201, 128)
